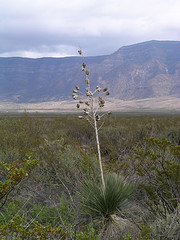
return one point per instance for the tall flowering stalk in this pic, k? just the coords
(91, 105)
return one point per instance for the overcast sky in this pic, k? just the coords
(56, 28)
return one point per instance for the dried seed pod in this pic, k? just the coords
(82, 69)
(87, 103)
(84, 65)
(86, 111)
(75, 97)
(77, 88)
(87, 72)
(109, 113)
(80, 52)
(101, 105)
(78, 105)
(81, 101)
(87, 89)
(75, 91)
(89, 93)
(105, 89)
(80, 117)
(107, 93)
(99, 89)
(97, 117)
(87, 80)
(101, 101)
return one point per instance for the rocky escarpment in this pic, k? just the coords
(144, 70)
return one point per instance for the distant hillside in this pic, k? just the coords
(145, 70)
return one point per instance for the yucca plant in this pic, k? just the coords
(100, 201)
(105, 203)
(105, 206)
(91, 105)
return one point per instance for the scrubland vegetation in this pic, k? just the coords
(50, 183)
(69, 178)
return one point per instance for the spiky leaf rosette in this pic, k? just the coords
(103, 203)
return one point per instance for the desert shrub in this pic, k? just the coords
(9, 211)
(158, 166)
(144, 233)
(166, 227)
(65, 164)
(65, 147)
(12, 174)
(54, 213)
(18, 229)
(81, 131)
(173, 134)
(160, 229)
(41, 222)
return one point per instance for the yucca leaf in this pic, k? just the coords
(99, 202)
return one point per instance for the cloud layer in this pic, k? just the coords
(40, 28)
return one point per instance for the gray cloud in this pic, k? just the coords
(58, 28)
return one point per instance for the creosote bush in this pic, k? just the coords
(12, 174)
(157, 165)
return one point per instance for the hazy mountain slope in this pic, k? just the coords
(144, 70)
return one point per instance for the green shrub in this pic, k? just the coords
(166, 227)
(157, 165)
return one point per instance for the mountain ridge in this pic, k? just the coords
(142, 70)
